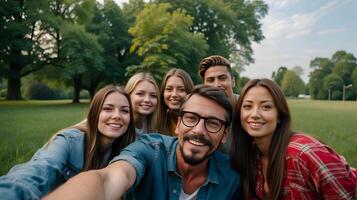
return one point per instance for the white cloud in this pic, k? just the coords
(299, 24)
(331, 31)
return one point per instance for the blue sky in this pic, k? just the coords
(297, 31)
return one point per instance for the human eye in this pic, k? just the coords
(209, 80)
(267, 107)
(125, 110)
(169, 89)
(139, 93)
(107, 108)
(153, 95)
(181, 89)
(246, 106)
(222, 78)
(189, 117)
(213, 124)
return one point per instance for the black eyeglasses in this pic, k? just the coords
(191, 119)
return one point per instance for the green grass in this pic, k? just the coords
(26, 125)
(332, 122)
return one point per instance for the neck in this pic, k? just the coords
(139, 121)
(263, 145)
(105, 145)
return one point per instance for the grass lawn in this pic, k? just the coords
(26, 125)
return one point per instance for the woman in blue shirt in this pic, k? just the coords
(90, 144)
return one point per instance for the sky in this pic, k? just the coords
(297, 31)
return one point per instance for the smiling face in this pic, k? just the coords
(259, 114)
(174, 93)
(196, 144)
(114, 117)
(144, 98)
(219, 76)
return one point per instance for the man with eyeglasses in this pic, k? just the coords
(163, 167)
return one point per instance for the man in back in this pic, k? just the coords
(216, 71)
(163, 167)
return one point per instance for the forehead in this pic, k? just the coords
(215, 71)
(258, 93)
(116, 98)
(204, 107)
(145, 86)
(174, 81)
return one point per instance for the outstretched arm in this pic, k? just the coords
(108, 183)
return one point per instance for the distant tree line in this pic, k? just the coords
(329, 78)
(83, 44)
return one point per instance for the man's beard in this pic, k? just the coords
(193, 159)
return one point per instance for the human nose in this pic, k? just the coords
(174, 93)
(216, 83)
(200, 127)
(116, 114)
(147, 98)
(255, 112)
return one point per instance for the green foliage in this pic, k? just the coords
(228, 26)
(165, 43)
(40, 91)
(292, 85)
(279, 75)
(241, 83)
(341, 65)
(334, 83)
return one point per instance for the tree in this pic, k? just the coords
(241, 83)
(354, 85)
(298, 70)
(20, 46)
(292, 85)
(321, 67)
(229, 26)
(344, 64)
(165, 43)
(278, 76)
(332, 83)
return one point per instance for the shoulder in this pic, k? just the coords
(71, 133)
(301, 143)
(157, 139)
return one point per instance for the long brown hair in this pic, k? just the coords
(167, 117)
(130, 87)
(244, 151)
(93, 159)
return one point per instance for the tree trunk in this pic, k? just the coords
(14, 83)
(77, 87)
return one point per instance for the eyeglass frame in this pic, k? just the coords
(224, 123)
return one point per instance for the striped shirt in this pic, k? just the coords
(313, 171)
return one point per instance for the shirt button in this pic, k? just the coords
(174, 191)
(68, 173)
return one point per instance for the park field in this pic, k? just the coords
(26, 125)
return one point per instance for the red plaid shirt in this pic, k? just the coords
(313, 171)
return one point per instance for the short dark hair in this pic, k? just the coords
(218, 95)
(212, 61)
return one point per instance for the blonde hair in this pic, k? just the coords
(130, 87)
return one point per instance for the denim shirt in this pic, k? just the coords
(154, 158)
(50, 166)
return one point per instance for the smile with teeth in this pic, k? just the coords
(115, 125)
(195, 142)
(255, 125)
